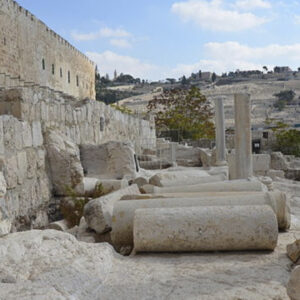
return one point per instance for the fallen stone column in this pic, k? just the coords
(224, 186)
(123, 213)
(217, 228)
(162, 180)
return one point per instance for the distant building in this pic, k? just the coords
(206, 76)
(282, 69)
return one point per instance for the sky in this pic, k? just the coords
(158, 39)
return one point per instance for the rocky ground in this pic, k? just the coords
(54, 265)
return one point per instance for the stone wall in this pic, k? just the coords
(26, 114)
(22, 157)
(33, 54)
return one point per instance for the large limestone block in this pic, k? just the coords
(293, 287)
(226, 228)
(223, 186)
(279, 162)
(123, 214)
(98, 212)
(293, 251)
(167, 179)
(261, 162)
(113, 160)
(64, 162)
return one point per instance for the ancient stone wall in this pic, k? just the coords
(33, 54)
(24, 167)
(27, 113)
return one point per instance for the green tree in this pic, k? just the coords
(287, 140)
(284, 98)
(185, 110)
(213, 77)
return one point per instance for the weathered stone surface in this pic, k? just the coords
(123, 214)
(2, 185)
(54, 265)
(261, 162)
(275, 173)
(293, 287)
(98, 212)
(226, 228)
(64, 162)
(243, 136)
(140, 181)
(5, 223)
(108, 185)
(205, 157)
(223, 186)
(113, 160)
(58, 225)
(293, 251)
(278, 161)
(168, 179)
(37, 136)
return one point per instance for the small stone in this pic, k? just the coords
(293, 287)
(293, 251)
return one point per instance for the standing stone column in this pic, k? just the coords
(220, 133)
(243, 136)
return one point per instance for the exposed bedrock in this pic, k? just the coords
(216, 228)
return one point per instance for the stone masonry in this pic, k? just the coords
(33, 54)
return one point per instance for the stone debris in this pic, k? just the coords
(293, 286)
(91, 185)
(61, 225)
(293, 251)
(140, 181)
(98, 212)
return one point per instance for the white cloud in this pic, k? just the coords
(252, 4)
(213, 16)
(104, 32)
(109, 61)
(229, 56)
(297, 19)
(218, 57)
(121, 43)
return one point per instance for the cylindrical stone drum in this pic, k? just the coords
(123, 214)
(223, 186)
(215, 228)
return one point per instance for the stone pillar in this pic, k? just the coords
(124, 211)
(243, 136)
(173, 153)
(220, 133)
(215, 228)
